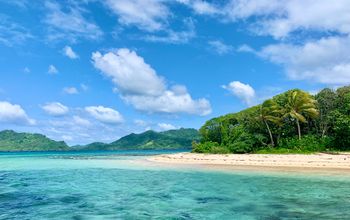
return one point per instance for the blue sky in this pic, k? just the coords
(94, 70)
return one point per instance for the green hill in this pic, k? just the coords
(172, 139)
(13, 141)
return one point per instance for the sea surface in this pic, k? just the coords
(121, 185)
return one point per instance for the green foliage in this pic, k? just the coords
(323, 119)
(308, 143)
(326, 103)
(13, 141)
(299, 107)
(341, 130)
(172, 139)
(206, 147)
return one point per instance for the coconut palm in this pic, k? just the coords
(269, 113)
(299, 106)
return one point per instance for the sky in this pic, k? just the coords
(96, 70)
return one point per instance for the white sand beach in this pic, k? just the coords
(319, 161)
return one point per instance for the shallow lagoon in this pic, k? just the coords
(115, 185)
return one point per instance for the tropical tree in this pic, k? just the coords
(299, 106)
(270, 112)
(326, 103)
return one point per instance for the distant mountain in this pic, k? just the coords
(172, 139)
(13, 141)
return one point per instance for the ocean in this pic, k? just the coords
(122, 185)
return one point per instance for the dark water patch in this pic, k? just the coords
(162, 196)
(71, 199)
(78, 217)
(212, 199)
(247, 208)
(276, 206)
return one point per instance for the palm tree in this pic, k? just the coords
(269, 112)
(299, 106)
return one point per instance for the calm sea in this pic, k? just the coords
(119, 185)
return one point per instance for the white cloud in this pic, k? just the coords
(55, 109)
(68, 51)
(12, 33)
(70, 90)
(220, 47)
(81, 121)
(324, 61)
(69, 24)
(67, 137)
(105, 115)
(280, 18)
(23, 4)
(175, 37)
(139, 85)
(129, 72)
(140, 122)
(243, 91)
(147, 15)
(165, 126)
(52, 69)
(245, 48)
(201, 7)
(12, 113)
(169, 102)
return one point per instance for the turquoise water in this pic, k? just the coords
(112, 185)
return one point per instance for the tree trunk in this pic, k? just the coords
(299, 132)
(270, 133)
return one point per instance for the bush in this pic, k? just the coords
(219, 150)
(308, 143)
(341, 131)
(205, 147)
(240, 147)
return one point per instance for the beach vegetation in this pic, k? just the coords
(292, 122)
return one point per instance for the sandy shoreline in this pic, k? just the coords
(282, 162)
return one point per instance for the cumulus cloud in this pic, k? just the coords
(138, 84)
(69, 24)
(104, 114)
(69, 52)
(77, 120)
(55, 109)
(280, 18)
(12, 113)
(169, 102)
(220, 47)
(52, 70)
(165, 126)
(129, 72)
(70, 90)
(324, 61)
(147, 15)
(243, 91)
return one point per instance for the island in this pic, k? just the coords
(294, 129)
(149, 140)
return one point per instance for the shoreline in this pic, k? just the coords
(312, 163)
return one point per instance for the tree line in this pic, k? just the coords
(291, 122)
